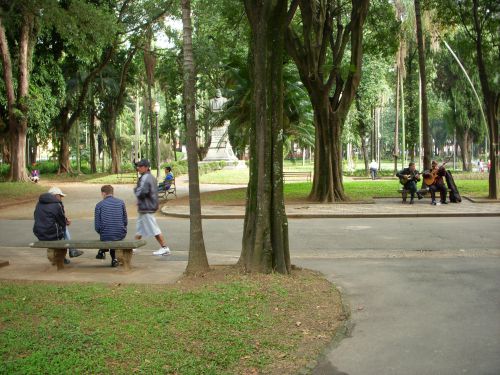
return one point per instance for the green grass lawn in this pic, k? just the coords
(240, 324)
(15, 191)
(358, 190)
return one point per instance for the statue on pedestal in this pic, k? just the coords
(220, 148)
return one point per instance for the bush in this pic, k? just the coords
(181, 167)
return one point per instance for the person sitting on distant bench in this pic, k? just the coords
(35, 174)
(167, 182)
(409, 178)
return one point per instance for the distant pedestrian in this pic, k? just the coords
(373, 169)
(146, 192)
(110, 221)
(51, 223)
(480, 165)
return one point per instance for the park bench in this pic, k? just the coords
(127, 177)
(297, 176)
(164, 193)
(423, 191)
(56, 250)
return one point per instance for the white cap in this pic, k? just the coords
(56, 191)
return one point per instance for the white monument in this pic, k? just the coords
(220, 148)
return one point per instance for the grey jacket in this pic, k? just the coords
(146, 192)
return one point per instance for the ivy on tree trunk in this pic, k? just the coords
(265, 235)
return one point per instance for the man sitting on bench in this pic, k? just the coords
(409, 177)
(167, 182)
(110, 220)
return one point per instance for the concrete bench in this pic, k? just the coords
(56, 250)
(297, 176)
(424, 191)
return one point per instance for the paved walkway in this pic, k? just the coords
(383, 207)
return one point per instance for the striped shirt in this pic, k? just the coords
(110, 219)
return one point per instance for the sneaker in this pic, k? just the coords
(420, 196)
(433, 203)
(100, 255)
(73, 253)
(411, 201)
(163, 251)
(114, 263)
(66, 261)
(444, 202)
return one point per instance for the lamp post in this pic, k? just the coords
(156, 110)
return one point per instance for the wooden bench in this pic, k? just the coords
(297, 176)
(56, 250)
(127, 178)
(172, 190)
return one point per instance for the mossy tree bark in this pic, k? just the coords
(265, 234)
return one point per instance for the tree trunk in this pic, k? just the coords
(93, 162)
(265, 234)
(491, 101)
(197, 259)
(396, 126)
(111, 140)
(17, 107)
(426, 135)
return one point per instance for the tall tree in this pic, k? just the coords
(17, 107)
(265, 234)
(426, 135)
(481, 22)
(197, 261)
(318, 49)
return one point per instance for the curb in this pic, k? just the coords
(340, 216)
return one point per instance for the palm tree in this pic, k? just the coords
(197, 261)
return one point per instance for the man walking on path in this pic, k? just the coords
(146, 192)
(51, 223)
(110, 221)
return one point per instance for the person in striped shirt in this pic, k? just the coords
(110, 221)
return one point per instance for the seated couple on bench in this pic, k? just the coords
(433, 182)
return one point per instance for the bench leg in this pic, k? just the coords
(124, 256)
(56, 257)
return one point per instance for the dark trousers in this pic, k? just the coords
(111, 252)
(411, 186)
(442, 191)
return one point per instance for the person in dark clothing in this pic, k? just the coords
(409, 178)
(51, 221)
(110, 221)
(438, 172)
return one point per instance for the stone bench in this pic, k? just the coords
(56, 250)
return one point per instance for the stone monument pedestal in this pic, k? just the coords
(220, 149)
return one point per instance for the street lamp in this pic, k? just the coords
(156, 110)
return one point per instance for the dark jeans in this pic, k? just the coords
(373, 173)
(111, 252)
(411, 186)
(442, 191)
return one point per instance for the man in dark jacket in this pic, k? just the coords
(146, 192)
(110, 221)
(409, 178)
(50, 219)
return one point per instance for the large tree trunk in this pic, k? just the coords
(111, 140)
(17, 107)
(309, 52)
(265, 234)
(197, 259)
(426, 135)
(491, 101)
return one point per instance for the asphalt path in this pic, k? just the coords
(423, 293)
